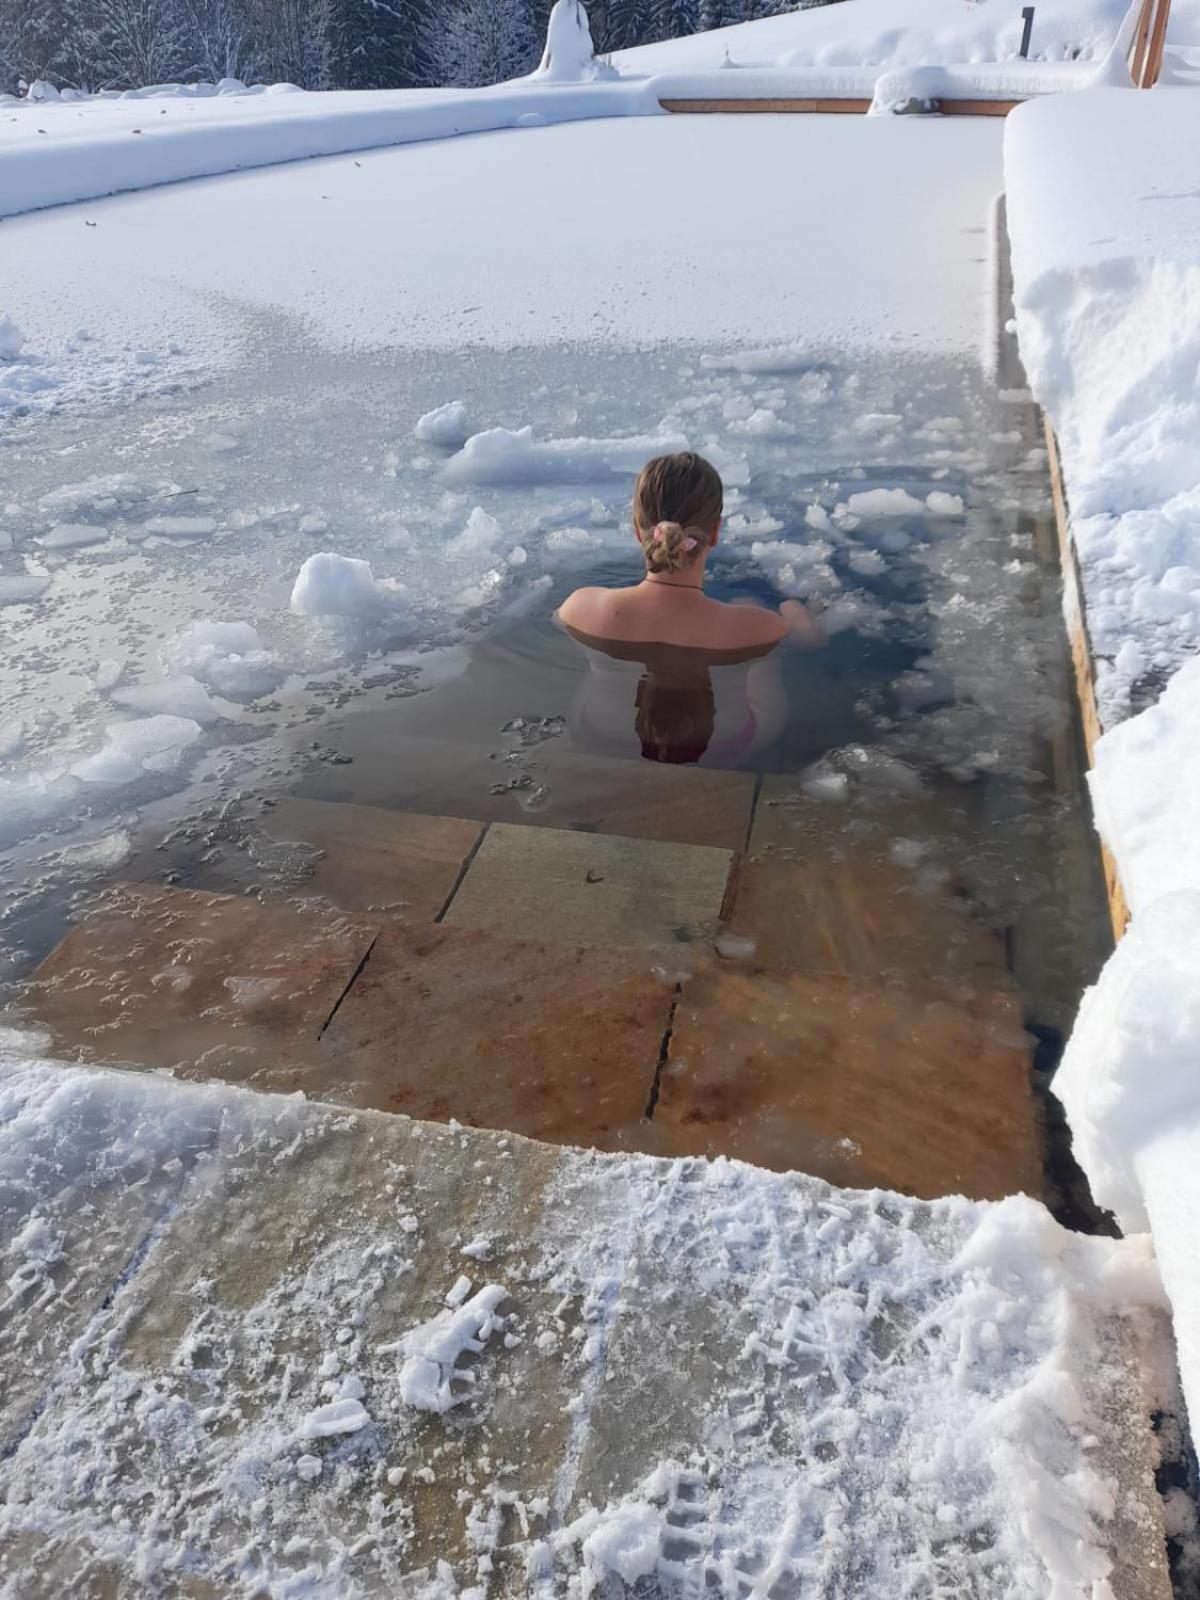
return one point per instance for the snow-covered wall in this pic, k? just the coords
(1105, 222)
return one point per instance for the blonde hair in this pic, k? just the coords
(677, 504)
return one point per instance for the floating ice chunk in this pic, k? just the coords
(308, 1468)
(884, 503)
(943, 504)
(132, 749)
(779, 360)
(181, 527)
(339, 1416)
(12, 340)
(22, 590)
(572, 541)
(12, 739)
(177, 697)
(447, 426)
(626, 1542)
(502, 455)
(818, 518)
(761, 423)
(227, 656)
(821, 782)
(313, 524)
(28, 1042)
(71, 535)
(330, 585)
(432, 1351)
(736, 947)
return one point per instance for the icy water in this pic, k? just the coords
(147, 557)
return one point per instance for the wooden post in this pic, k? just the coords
(1154, 52)
(1138, 57)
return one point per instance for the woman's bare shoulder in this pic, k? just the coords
(750, 624)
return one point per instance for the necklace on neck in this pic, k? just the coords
(667, 583)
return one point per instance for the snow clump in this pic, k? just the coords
(446, 426)
(12, 340)
(330, 585)
(228, 657)
(432, 1351)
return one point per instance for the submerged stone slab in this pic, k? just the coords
(685, 1371)
(923, 1090)
(371, 860)
(860, 920)
(553, 1040)
(548, 785)
(593, 889)
(213, 984)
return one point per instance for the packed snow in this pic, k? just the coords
(690, 1371)
(1106, 260)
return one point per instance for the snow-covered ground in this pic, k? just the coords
(492, 1369)
(1105, 217)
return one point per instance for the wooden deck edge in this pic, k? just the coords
(829, 106)
(1082, 661)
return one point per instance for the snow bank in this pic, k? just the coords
(1106, 259)
(52, 154)
(919, 33)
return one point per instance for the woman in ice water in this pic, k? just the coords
(676, 634)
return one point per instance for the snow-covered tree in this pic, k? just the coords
(221, 39)
(137, 42)
(295, 40)
(387, 44)
(486, 41)
(673, 19)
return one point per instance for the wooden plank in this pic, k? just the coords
(828, 106)
(1081, 658)
(1158, 38)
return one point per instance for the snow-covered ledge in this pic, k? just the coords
(1106, 261)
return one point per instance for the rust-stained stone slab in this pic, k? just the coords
(209, 983)
(554, 1041)
(595, 889)
(567, 788)
(925, 1090)
(374, 860)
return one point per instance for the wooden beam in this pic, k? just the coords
(1082, 661)
(848, 107)
(976, 108)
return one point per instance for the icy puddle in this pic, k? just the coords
(383, 833)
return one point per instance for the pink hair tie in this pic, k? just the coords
(690, 544)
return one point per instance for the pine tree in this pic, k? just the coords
(673, 19)
(628, 23)
(295, 41)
